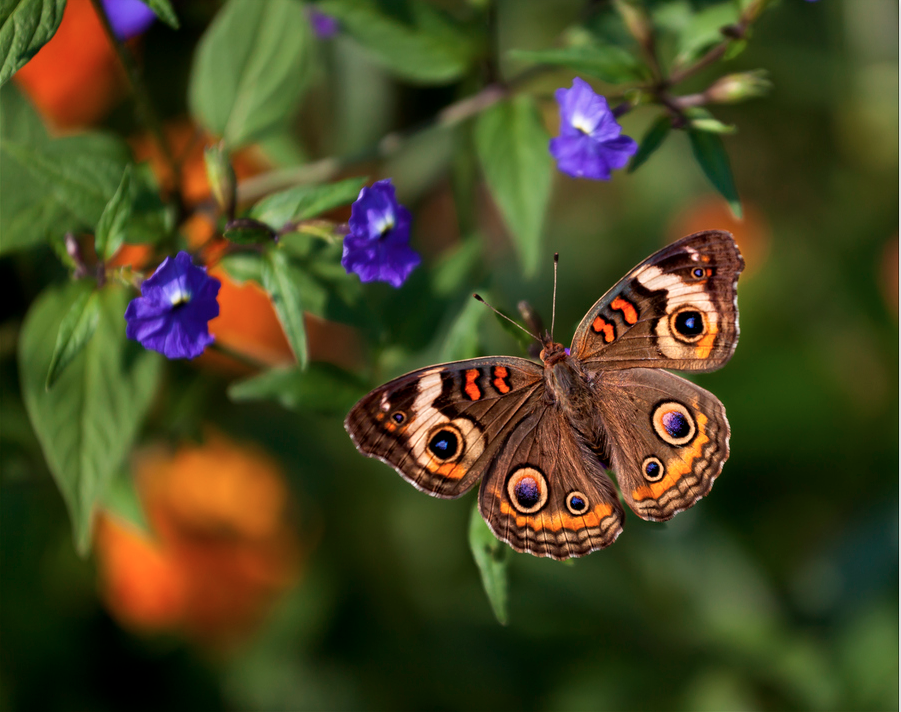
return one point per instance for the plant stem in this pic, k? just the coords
(146, 113)
(328, 168)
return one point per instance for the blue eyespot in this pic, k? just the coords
(527, 492)
(398, 417)
(444, 444)
(697, 272)
(652, 470)
(689, 323)
(576, 503)
(676, 425)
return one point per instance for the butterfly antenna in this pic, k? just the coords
(500, 314)
(554, 303)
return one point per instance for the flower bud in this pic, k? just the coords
(637, 21)
(739, 87)
(221, 176)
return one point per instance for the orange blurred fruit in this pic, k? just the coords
(76, 78)
(223, 545)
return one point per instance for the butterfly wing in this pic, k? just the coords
(544, 493)
(666, 437)
(440, 426)
(677, 309)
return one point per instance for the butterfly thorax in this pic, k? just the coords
(567, 385)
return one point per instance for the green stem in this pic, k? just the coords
(146, 113)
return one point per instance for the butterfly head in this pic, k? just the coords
(553, 353)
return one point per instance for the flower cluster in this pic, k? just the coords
(590, 144)
(377, 247)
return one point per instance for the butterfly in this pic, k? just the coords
(541, 437)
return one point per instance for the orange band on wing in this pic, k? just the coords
(705, 345)
(601, 326)
(630, 315)
(501, 378)
(592, 519)
(676, 468)
(471, 389)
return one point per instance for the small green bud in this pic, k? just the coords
(739, 87)
(221, 176)
(637, 20)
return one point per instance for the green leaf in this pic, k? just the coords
(711, 156)
(51, 187)
(87, 423)
(521, 337)
(110, 233)
(703, 31)
(280, 282)
(250, 69)
(243, 266)
(123, 501)
(512, 146)
(303, 202)
(651, 141)
(246, 231)
(431, 50)
(221, 177)
(151, 220)
(608, 63)
(321, 388)
(75, 331)
(25, 27)
(163, 10)
(491, 556)
(457, 265)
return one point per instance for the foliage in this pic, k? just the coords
(730, 605)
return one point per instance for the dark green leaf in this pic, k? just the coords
(247, 231)
(250, 69)
(711, 155)
(651, 141)
(512, 146)
(321, 388)
(608, 63)
(457, 265)
(75, 330)
(25, 27)
(520, 336)
(491, 556)
(110, 233)
(163, 10)
(429, 51)
(280, 282)
(51, 187)
(303, 202)
(87, 423)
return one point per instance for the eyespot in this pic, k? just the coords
(577, 503)
(398, 417)
(652, 469)
(698, 272)
(527, 489)
(673, 423)
(688, 324)
(445, 443)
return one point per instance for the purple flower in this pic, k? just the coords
(128, 17)
(589, 144)
(171, 315)
(377, 247)
(324, 26)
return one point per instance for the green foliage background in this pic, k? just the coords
(778, 591)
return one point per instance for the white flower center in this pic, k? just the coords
(179, 297)
(385, 224)
(581, 123)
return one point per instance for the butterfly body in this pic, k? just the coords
(541, 437)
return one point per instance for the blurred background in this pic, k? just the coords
(285, 571)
